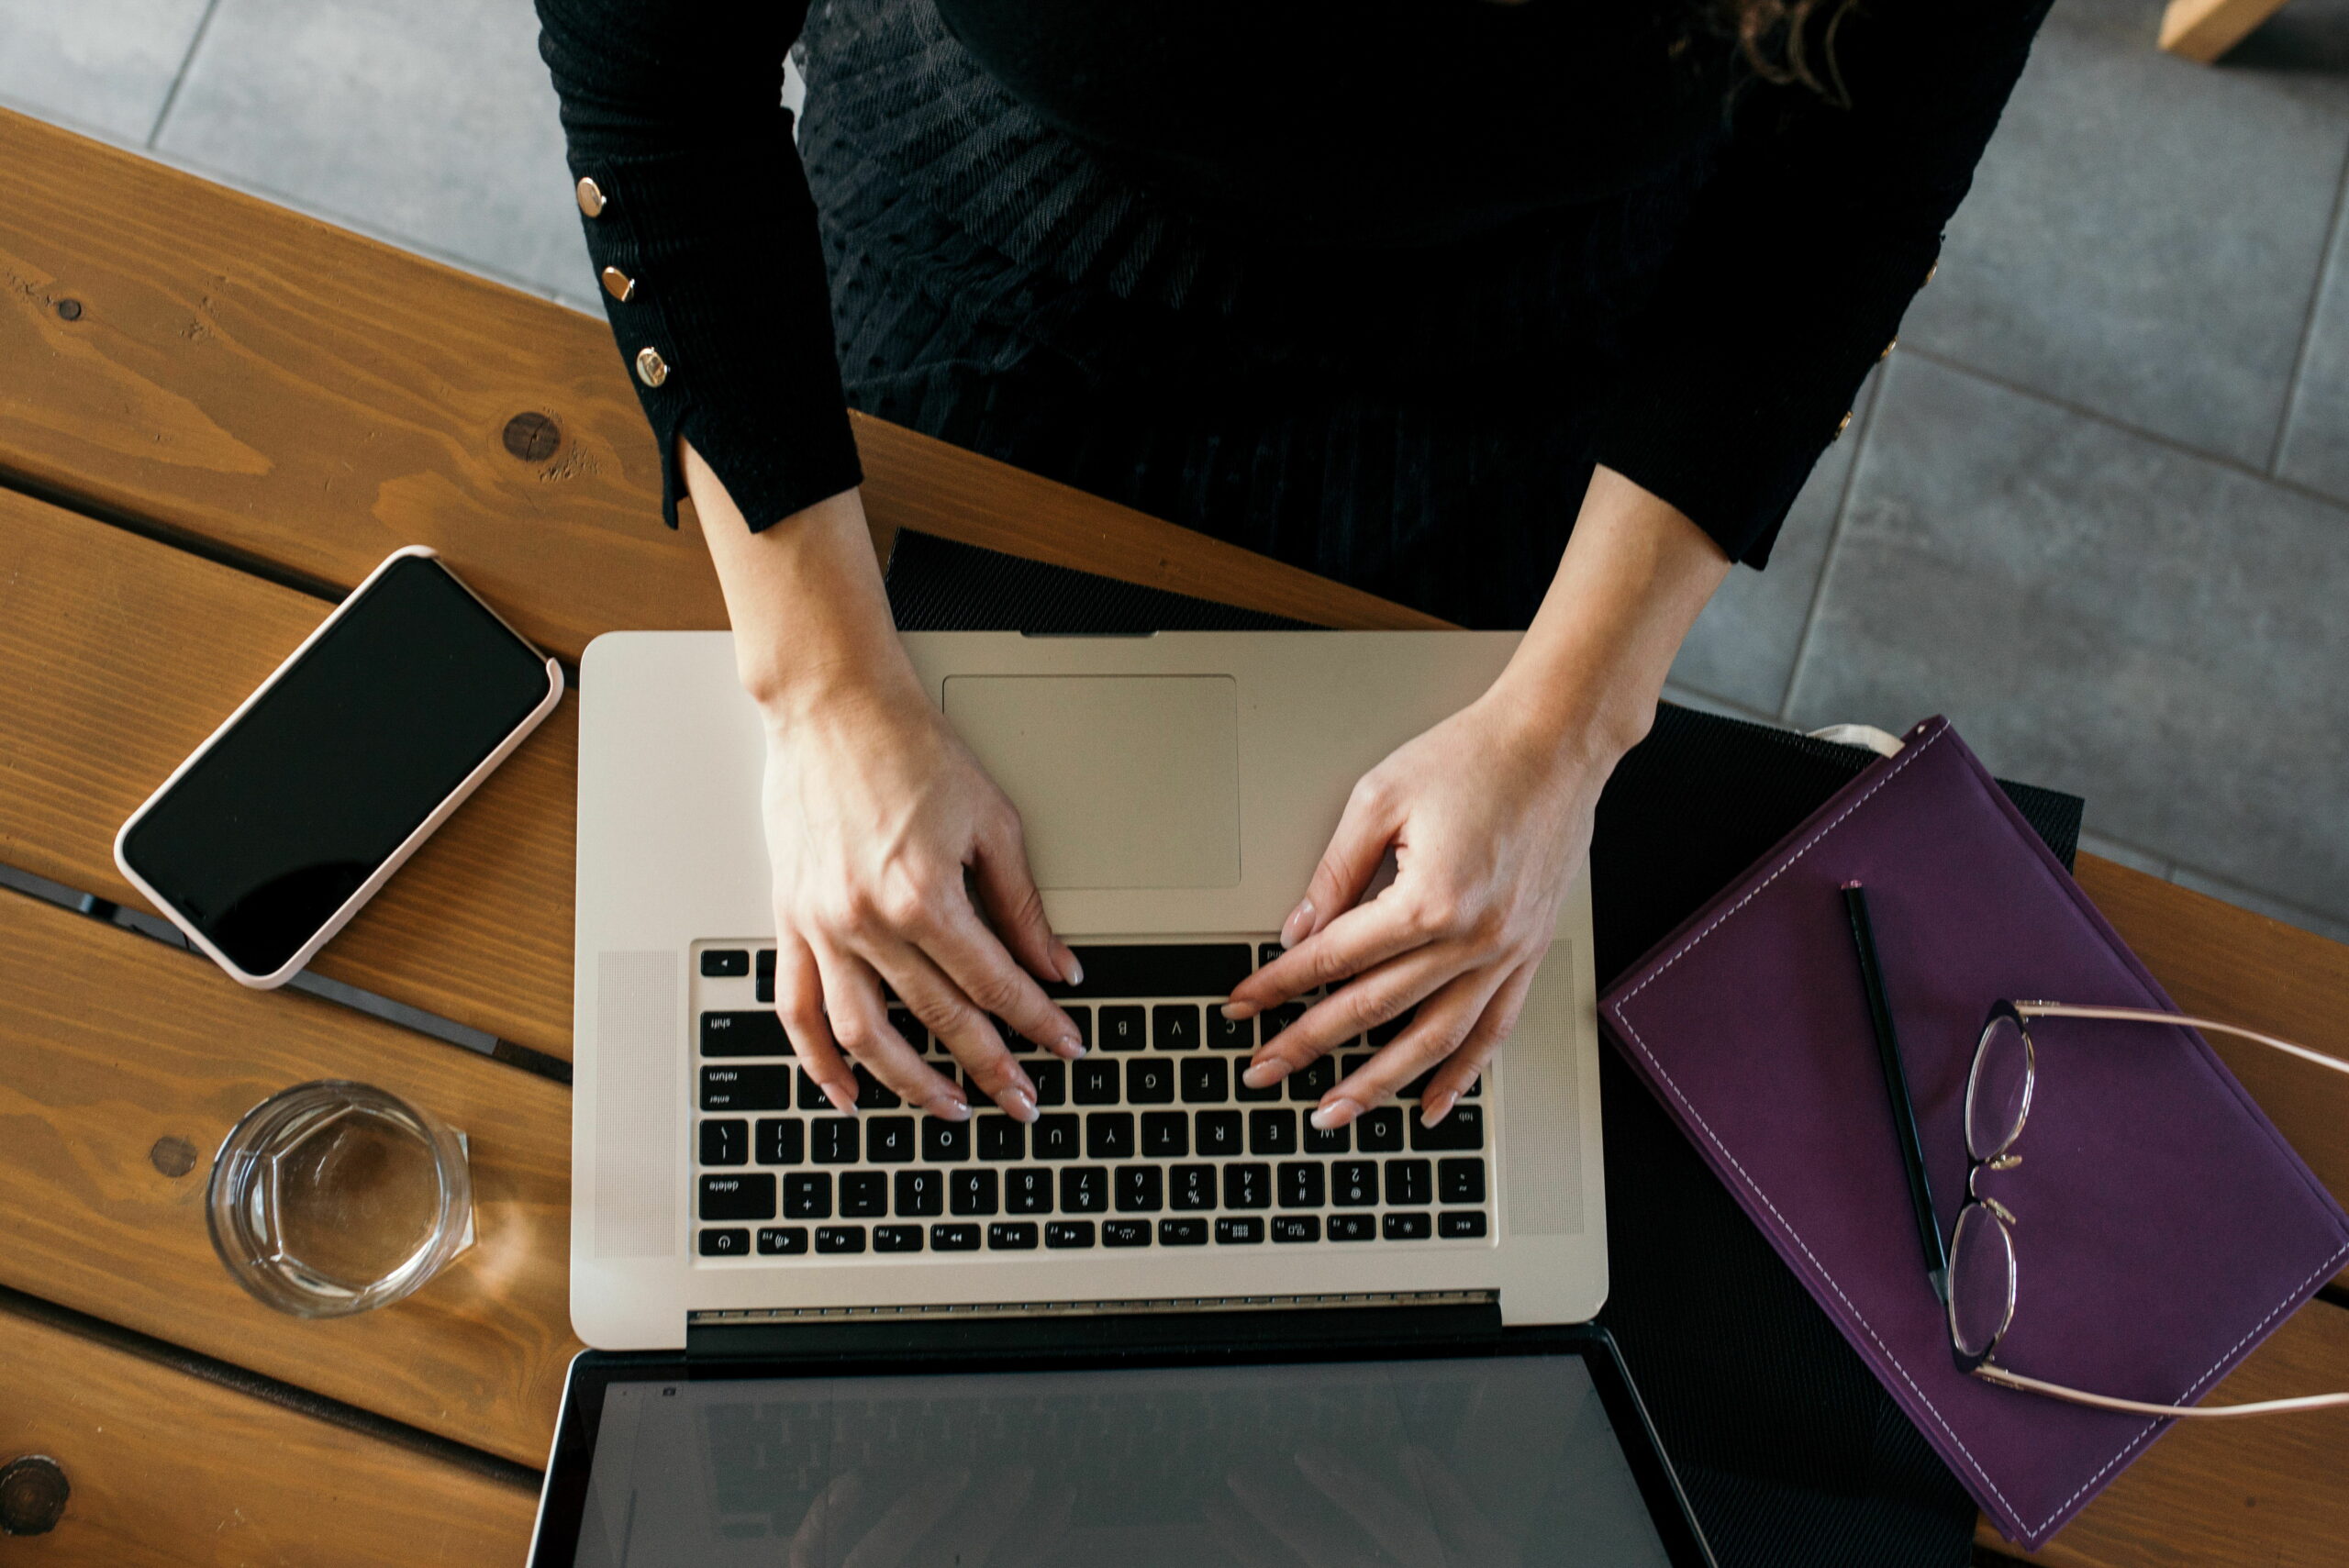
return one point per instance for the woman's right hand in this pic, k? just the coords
(897, 861)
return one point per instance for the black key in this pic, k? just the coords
(1463, 1128)
(954, 1237)
(1140, 1190)
(725, 1143)
(1097, 1083)
(910, 1028)
(921, 1194)
(835, 1138)
(744, 1034)
(733, 1243)
(1174, 1025)
(897, 1238)
(1460, 1180)
(1150, 1081)
(787, 1241)
(1109, 1134)
(972, 1192)
(1296, 1227)
(888, 1139)
(1165, 1135)
(1327, 1141)
(1403, 1226)
(746, 1195)
(1028, 1191)
(1055, 1137)
(811, 1095)
(1121, 1029)
(1069, 1233)
(1157, 970)
(1409, 1183)
(1280, 1018)
(808, 1196)
(1267, 951)
(1313, 1080)
(1207, 1080)
(944, 1141)
(871, 1095)
(1084, 1189)
(1050, 1079)
(1272, 1132)
(1242, 1092)
(783, 1140)
(1462, 1222)
(1300, 1184)
(1000, 1137)
(1218, 1132)
(1352, 1227)
(864, 1195)
(1417, 1087)
(1380, 1132)
(723, 964)
(1229, 1034)
(1011, 1236)
(762, 1088)
(1083, 1019)
(1013, 1041)
(1194, 1186)
(1354, 1183)
(1125, 1233)
(1239, 1230)
(766, 975)
(1248, 1186)
(840, 1238)
(1183, 1232)
(1352, 1062)
(1391, 1028)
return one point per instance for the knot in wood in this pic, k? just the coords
(173, 1156)
(532, 437)
(70, 309)
(32, 1495)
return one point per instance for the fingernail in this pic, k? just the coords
(1260, 1074)
(950, 1108)
(1435, 1107)
(843, 1101)
(1020, 1103)
(1068, 1048)
(1299, 921)
(1070, 968)
(1336, 1114)
(1236, 1011)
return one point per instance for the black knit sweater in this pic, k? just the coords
(1323, 129)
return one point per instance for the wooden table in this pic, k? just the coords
(215, 417)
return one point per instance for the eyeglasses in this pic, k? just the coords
(1982, 1250)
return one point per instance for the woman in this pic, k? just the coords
(1532, 315)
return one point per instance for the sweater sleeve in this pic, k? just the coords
(1821, 222)
(704, 239)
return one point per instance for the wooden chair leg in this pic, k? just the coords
(2202, 30)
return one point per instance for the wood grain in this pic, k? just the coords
(2202, 31)
(2264, 1492)
(314, 399)
(110, 1043)
(170, 1470)
(122, 653)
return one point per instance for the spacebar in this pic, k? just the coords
(1205, 969)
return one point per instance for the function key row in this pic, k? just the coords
(1021, 1235)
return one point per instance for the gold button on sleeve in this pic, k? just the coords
(650, 368)
(1931, 271)
(591, 197)
(1886, 355)
(1841, 425)
(620, 286)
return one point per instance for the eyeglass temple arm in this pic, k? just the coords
(2147, 1016)
(1990, 1372)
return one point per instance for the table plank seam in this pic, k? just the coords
(202, 546)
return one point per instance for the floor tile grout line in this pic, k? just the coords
(2307, 323)
(179, 77)
(1835, 541)
(2171, 443)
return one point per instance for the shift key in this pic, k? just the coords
(757, 1033)
(763, 1087)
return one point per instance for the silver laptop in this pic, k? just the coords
(1177, 791)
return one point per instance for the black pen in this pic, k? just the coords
(1896, 1085)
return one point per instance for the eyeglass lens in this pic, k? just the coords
(1999, 1091)
(1981, 1280)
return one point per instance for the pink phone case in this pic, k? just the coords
(399, 856)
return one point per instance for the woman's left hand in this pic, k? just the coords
(1488, 817)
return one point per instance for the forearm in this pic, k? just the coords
(1635, 575)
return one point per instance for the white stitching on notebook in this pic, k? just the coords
(1689, 946)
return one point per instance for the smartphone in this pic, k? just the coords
(293, 812)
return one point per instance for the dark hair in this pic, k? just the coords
(1789, 42)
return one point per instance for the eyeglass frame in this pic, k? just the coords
(2004, 1158)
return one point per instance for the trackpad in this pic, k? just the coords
(1121, 780)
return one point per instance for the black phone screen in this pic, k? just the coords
(273, 830)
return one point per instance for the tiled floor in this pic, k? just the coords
(2096, 508)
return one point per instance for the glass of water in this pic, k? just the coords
(331, 1197)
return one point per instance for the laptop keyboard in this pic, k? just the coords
(1149, 1140)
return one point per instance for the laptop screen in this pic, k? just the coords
(1503, 1461)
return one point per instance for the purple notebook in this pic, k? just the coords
(2165, 1227)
